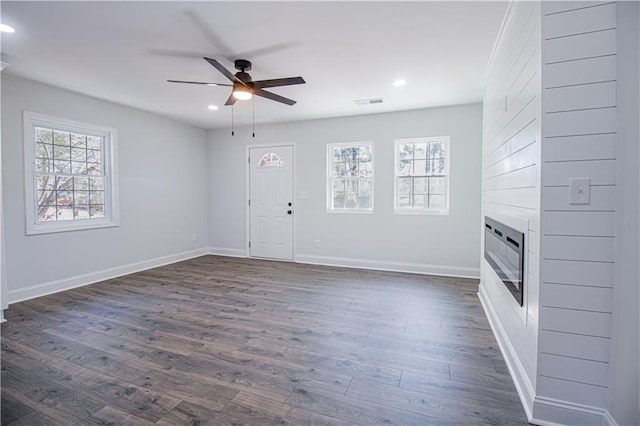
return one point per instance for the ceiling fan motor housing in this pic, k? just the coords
(242, 65)
(243, 76)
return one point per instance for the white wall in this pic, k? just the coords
(163, 194)
(624, 358)
(447, 244)
(511, 173)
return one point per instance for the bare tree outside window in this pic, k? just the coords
(422, 174)
(350, 183)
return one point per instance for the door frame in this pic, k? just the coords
(247, 195)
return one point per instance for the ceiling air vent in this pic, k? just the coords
(371, 101)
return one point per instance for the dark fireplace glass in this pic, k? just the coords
(504, 250)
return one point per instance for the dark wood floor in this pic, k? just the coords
(218, 340)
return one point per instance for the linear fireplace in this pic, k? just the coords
(504, 250)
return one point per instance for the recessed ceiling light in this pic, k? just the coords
(213, 107)
(4, 28)
(399, 83)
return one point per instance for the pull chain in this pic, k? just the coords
(253, 116)
(232, 126)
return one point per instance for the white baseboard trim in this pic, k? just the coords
(517, 371)
(51, 287)
(219, 251)
(381, 265)
(555, 412)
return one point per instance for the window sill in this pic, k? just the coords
(351, 211)
(422, 212)
(54, 228)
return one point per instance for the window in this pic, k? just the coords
(271, 159)
(350, 177)
(70, 175)
(422, 175)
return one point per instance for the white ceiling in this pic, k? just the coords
(125, 51)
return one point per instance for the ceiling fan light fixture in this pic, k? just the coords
(242, 93)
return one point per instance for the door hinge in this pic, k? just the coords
(249, 244)
(249, 160)
(249, 202)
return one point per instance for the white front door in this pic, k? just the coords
(271, 202)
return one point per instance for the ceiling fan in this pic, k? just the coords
(244, 87)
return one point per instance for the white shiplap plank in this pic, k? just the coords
(582, 71)
(586, 122)
(579, 47)
(554, 7)
(523, 16)
(565, 390)
(518, 197)
(588, 96)
(557, 198)
(597, 299)
(596, 274)
(594, 249)
(525, 137)
(521, 178)
(601, 172)
(513, 127)
(527, 156)
(589, 147)
(577, 322)
(574, 345)
(577, 370)
(580, 21)
(586, 223)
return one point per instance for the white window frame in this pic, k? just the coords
(31, 120)
(329, 157)
(446, 175)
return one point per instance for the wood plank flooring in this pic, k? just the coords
(217, 340)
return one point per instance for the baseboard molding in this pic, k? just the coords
(51, 287)
(219, 251)
(381, 265)
(518, 374)
(554, 412)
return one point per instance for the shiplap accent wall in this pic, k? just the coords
(511, 183)
(551, 115)
(579, 137)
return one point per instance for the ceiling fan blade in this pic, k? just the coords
(266, 50)
(260, 84)
(200, 82)
(231, 100)
(204, 28)
(217, 65)
(272, 96)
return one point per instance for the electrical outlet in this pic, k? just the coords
(317, 244)
(579, 191)
(194, 237)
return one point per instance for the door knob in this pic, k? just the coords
(289, 212)
(289, 204)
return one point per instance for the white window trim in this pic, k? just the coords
(410, 211)
(328, 178)
(112, 217)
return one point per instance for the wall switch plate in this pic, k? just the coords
(579, 191)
